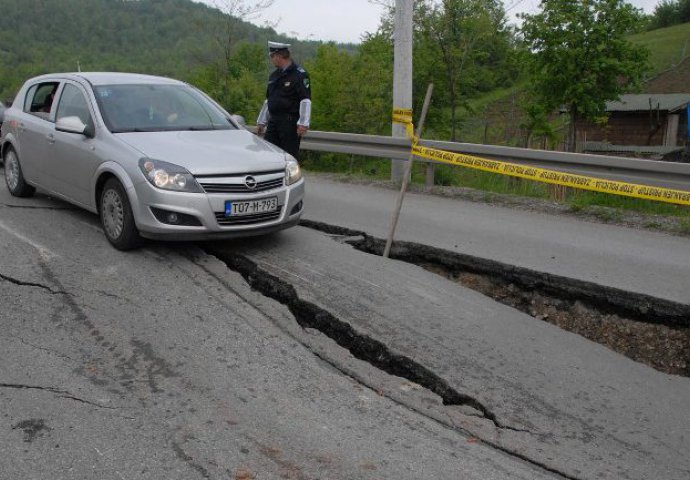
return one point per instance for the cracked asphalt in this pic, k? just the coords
(545, 395)
(629, 259)
(164, 364)
(297, 356)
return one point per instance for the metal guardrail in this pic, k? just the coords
(646, 172)
(644, 149)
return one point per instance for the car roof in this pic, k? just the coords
(111, 78)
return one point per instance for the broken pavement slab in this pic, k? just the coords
(633, 260)
(556, 399)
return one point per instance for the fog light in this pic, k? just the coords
(296, 208)
(175, 218)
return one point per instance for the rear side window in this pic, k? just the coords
(39, 99)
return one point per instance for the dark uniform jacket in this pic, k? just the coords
(286, 89)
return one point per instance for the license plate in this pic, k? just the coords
(237, 208)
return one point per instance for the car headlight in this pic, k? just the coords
(292, 172)
(167, 176)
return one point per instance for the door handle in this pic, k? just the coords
(50, 138)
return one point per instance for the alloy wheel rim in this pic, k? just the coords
(113, 214)
(12, 171)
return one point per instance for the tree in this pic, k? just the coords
(329, 71)
(371, 91)
(228, 33)
(234, 72)
(353, 93)
(240, 86)
(580, 56)
(670, 12)
(461, 45)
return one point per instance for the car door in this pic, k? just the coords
(75, 156)
(35, 130)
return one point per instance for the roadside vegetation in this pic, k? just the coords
(669, 46)
(488, 187)
(496, 83)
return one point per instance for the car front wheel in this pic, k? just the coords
(116, 217)
(14, 178)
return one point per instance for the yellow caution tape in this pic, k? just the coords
(660, 194)
(404, 117)
(555, 177)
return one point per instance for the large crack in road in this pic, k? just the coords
(644, 328)
(375, 353)
(362, 346)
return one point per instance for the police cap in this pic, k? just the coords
(275, 47)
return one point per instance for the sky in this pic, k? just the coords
(348, 20)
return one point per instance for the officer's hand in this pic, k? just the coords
(260, 130)
(302, 130)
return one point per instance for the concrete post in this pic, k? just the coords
(402, 78)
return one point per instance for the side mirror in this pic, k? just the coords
(239, 119)
(72, 125)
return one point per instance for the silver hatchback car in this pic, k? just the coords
(154, 157)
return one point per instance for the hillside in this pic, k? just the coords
(166, 37)
(495, 118)
(667, 46)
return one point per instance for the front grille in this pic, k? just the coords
(237, 182)
(247, 219)
(241, 187)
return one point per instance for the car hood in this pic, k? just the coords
(208, 152)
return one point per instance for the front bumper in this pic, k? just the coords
(206, 208)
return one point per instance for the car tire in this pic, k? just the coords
(116, 217)
(14, 178)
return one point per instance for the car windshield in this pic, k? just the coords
(156, 108)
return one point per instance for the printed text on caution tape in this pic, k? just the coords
(555, 177)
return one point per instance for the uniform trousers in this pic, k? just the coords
(281, 131)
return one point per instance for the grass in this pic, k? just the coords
(355, 165)
(685, 226)
(667, 46)
(488, 182)
(491, 118)
(583, 199)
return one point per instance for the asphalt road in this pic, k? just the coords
(639, 261)
(553, 397)
(165, 363)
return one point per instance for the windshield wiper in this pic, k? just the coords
(198, 128)
(135, 129)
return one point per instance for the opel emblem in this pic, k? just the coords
(250, 182)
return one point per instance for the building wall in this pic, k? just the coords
(634, 128)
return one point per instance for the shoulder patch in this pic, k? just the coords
(306, 82)
(300, 69)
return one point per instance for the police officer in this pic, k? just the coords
(286, 113)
